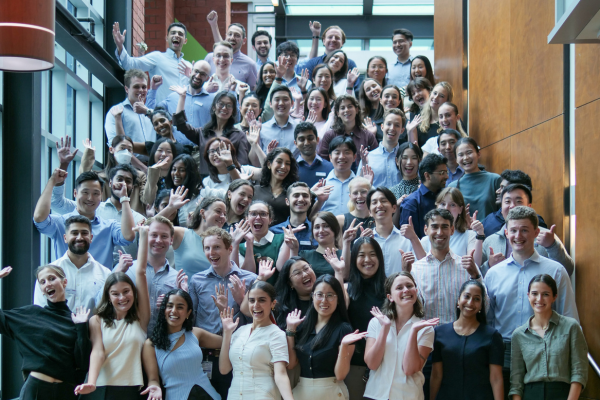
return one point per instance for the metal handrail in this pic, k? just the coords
(594, 364)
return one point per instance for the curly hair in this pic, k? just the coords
(291, 177)
(338, 125)
(160, 335)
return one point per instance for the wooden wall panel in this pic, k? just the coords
(587, 65)
(587, 251)
(539, 152)
(448, 39)
(496, 157)
(536, 78)
(489, 70)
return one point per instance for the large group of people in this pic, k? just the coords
(287, 229)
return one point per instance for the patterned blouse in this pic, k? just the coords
(405, 187)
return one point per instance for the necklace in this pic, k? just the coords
(467, 333)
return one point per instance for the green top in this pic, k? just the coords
(479, 190)
(318, 262)
(560, 356)
(270, 250)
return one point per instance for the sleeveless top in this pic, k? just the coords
(123, 349)
(359, 313)
(181, 369)
(190, 255)
(367, 223)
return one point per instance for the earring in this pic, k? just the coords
(273, 308)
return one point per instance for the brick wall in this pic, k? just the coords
(242, 19)
(138, 24)
(193, 14)
(159, 15)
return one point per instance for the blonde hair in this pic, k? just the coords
(460, 223)
(359, 180)
(459, 126)
(162, 220)
(427, 113)
(54, 268)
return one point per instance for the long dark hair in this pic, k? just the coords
(160, 334)
(429, 76)
(544, 278)
(110, 158)
(389, 308)
(365, 104)
(326, 106)
(212, 124)
(339, 316)
(384, 61)
(155, 149)
(262, 90)
(338, 125)
(192, 180)
(212, 170)
(287, 297)
(292, 176)
(355, 280)
(343, 72)
(330, 92)
(235, 185)
(400, 98)
(196, 217)
(105, 309)
(481, 317)
(417, 83)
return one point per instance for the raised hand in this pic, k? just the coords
(65, 155)
(240, 231)
(281, 66)
(85, 388)
(290, 239)
(225, 153)
(401, 199)
(546, 238)
(238, 288)
(211, 86)
(366, 232)
(370, 126)
(58, 176)
(338, 265)
(139, 107)
(303, 80)
(320, 183)
(257, 123)
(495, 258)
(143, 231)
(296, 95)
(363, 153)
(157, 80)
(272, 146)
(352, 77)
(5, 271)
(159, 301)
(293, 320)
(212, 18)
(312, 117)
(424, 323)
(382, 318)
(185, 69)
(408, 230)
(116, 110)
(232, 84)
(118, 37)
(353, 337)
(180, 90)
(322, 193)
(408, 259)
(350, 233)
(243, 88)
(227, 321)
(182, 280)
(119, 189)
(80, 315)
(125, 262)
(178, 197)
(315, 27)
(368, 173)
(412, 125)
(153, 392)
(253, 134)
(476, 225)
(222, 297)
(468, 217)
(87, 143)
(161, 163)
(265, 269)
(468, 263)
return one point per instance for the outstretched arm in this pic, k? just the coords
(140, 276)
(42, 208)
(213, 19)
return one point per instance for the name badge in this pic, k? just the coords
(320, 173)
(197, 102)
(305, 243)
(71, 291)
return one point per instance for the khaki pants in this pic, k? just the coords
(322, 388)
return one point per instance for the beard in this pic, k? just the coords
(117, 197)
(79, 250)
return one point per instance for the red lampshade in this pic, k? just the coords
(26, 35)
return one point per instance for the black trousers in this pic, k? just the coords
(113, 393)
(36, 389)
(427, 374)
(197, 393)
(506, 369)
(546, 391)
(220, 382)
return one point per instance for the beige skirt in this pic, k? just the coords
(322, 388)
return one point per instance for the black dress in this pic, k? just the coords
(320, 362)
(282, 210)
(359, 312)
(368, 222)
(466, 362)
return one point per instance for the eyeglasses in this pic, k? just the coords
(222, 56)
(202, 74)
(305, 270)
(213, 151)
(262, 214)
(322, 296)
(221, 106)
(290, 55)
(377, 67)
(440, 172)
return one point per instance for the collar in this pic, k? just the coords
(66, 258)
(126, 103)
(76, 212)
(424, 190)
(164, 268)
(554, 319)
(273, 122)
(171, 53)
(384, 151)
(449, 256)
(233, 270)
(237, 54)
(295, 78)
(403, 63)
(268, 238)
(395, 231)
(299, 159)
(535, 257)
(333, 176)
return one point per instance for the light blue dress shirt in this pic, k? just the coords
(137, 126)
(293, 83)
(340, 194)
(507, 284)
(259, 63)
(202, 287)
(164, 64)
(107, 235)
(391, 249)
(383, 164)
(284, 135)
(399, 73)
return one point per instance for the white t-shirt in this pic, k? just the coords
(431, 146)
(225, 179)
(388, 381)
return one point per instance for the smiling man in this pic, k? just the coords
(299, 198)
(281, 127)
(399, 73)
(507, 283)
(261, 43)
(342, 152)
(311, 167)
(85, 276)
(165, 64)
(446, 143)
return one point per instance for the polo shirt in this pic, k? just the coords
(312, 173)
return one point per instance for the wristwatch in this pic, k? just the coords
(124, 198)
(480, 237)
(230, 167)
(149, 111)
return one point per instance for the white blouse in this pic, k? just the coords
(388, 381)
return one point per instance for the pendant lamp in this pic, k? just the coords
(26, 35)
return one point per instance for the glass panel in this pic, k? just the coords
(70, 112)
(72, 9)
(325, 10)
(402, 9)
(264, 8)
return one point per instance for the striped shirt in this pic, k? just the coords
(439, 284)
